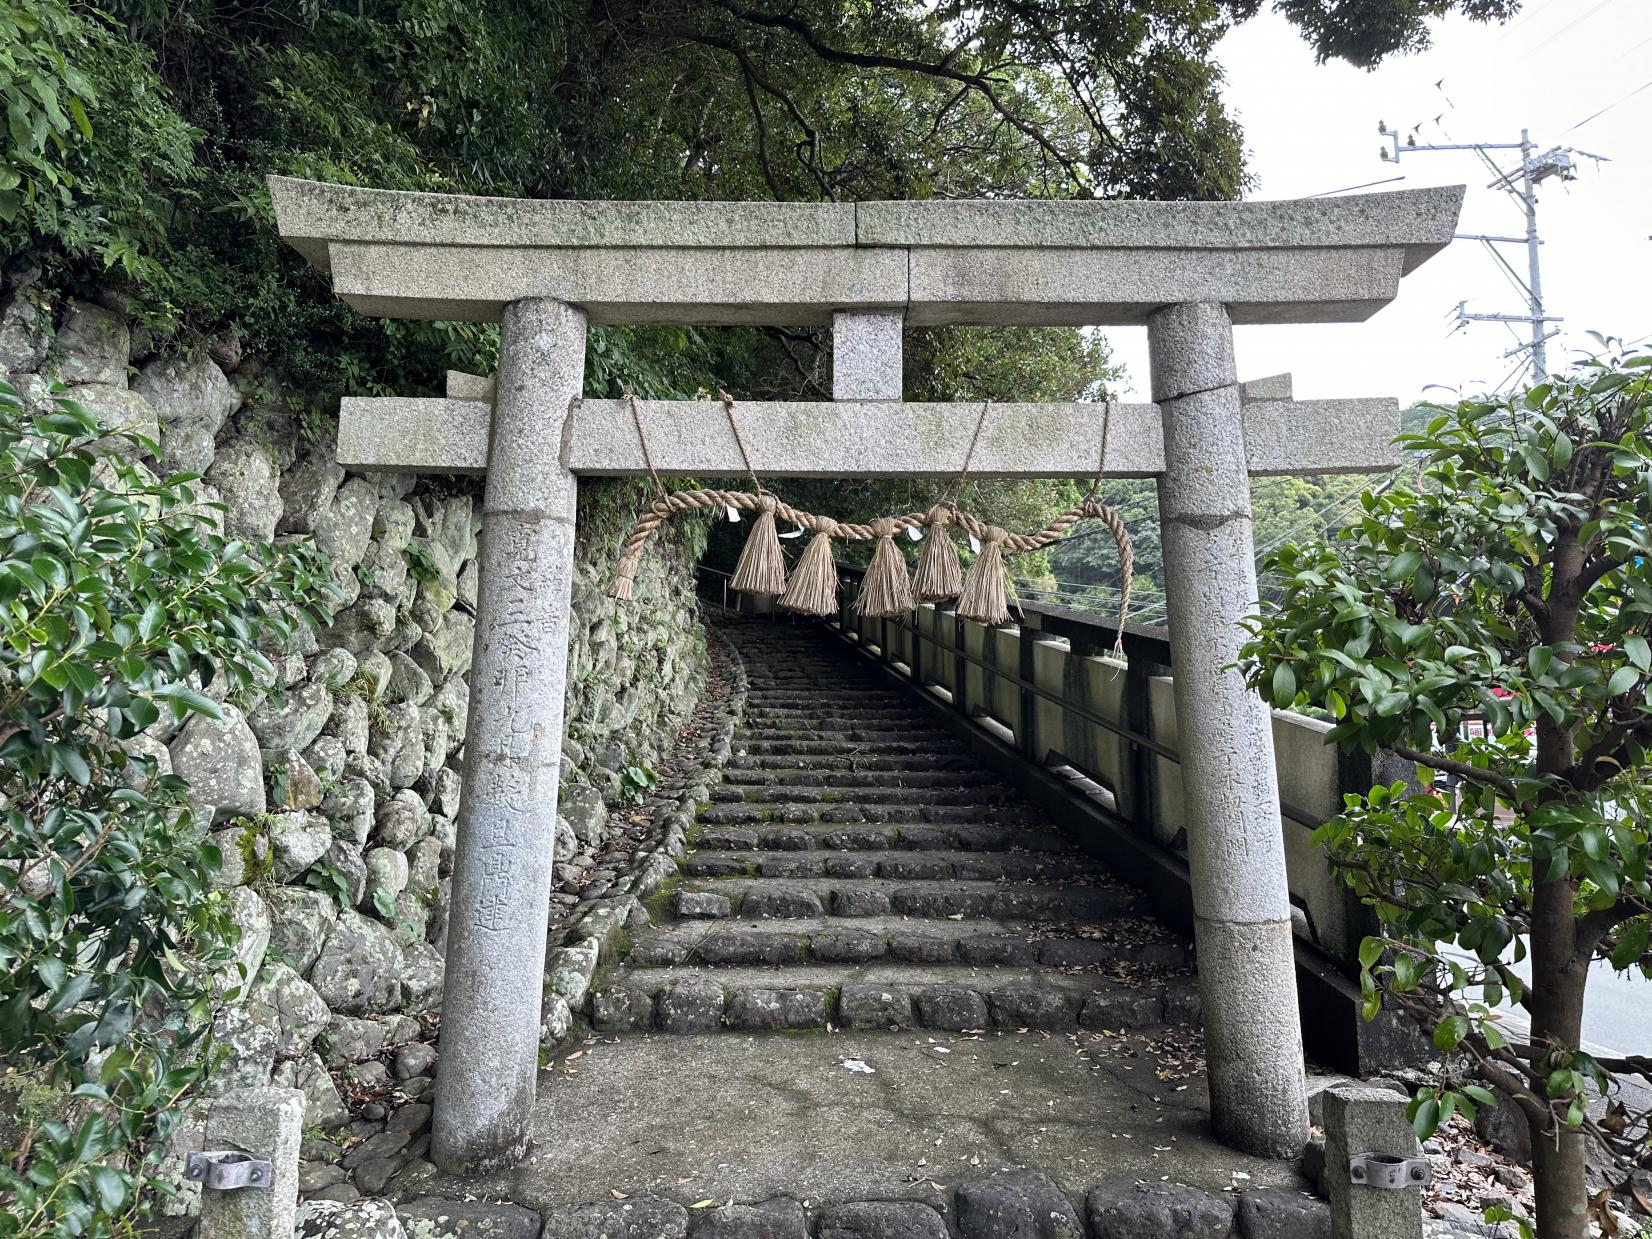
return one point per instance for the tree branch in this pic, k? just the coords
(1534, 603)
(762, 133)
(1450, 765)
(1608, 757)
(1592, 927)
(1595, 569)
(754, 78)
(981, 83)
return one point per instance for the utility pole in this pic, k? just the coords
(1534, 286)
(1520, 184)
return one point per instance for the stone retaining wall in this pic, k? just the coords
(332, 793)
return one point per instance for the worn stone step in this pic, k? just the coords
(837, 735)
(832, 716)
(1133, 941)
(836, 712)
(917, 763)
(821, 681)
(835, 706)
(881, 793)
(904, 746)
(882, 995)
(810, 898)
(797, 814)
(832, 721)
(904, 864)
(915, 836)
(842, 675)
(838, 778)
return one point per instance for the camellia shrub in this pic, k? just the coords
(1490, 621)
(122, 612)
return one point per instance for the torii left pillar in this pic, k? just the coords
(507, 819)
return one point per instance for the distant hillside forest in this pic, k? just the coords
(1083, 569)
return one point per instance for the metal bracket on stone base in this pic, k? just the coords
(1388, 1172)
(226, 1170)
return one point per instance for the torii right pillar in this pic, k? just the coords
(1236, 852)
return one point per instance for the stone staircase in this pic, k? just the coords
(859, 868)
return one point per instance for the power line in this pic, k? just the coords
(1530, 15)
(1107, 593)
(1348, 189)
(1376, 483)
(1578, 21)
(1624, 55)
(1647, 85)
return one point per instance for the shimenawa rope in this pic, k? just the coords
(886, 590)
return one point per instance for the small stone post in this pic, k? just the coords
(507, 818)
(1236, 850)
(1363, 1119)
(261, 1122)
(866, 354)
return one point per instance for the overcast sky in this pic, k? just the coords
(1312, 128)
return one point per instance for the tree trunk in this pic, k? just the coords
(1559, 971)
(1558, 978)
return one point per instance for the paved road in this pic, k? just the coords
(1618, 1011)
(1617, 1015)
(1617, 1020)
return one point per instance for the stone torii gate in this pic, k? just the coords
(544, 270)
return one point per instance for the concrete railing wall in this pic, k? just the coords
(1052, 687)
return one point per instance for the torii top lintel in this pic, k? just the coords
(444, 256)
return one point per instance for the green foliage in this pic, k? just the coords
(324, 877)
(1366, 32)
(1490, 623)
(120, 608)
(636, 781)
(421, 564)
(44, 98)
(99, 160)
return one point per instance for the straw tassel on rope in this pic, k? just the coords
(812, 589)
(985, 595)
(761, 568)
(886, 590)
(625, 579)
(939, 576)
